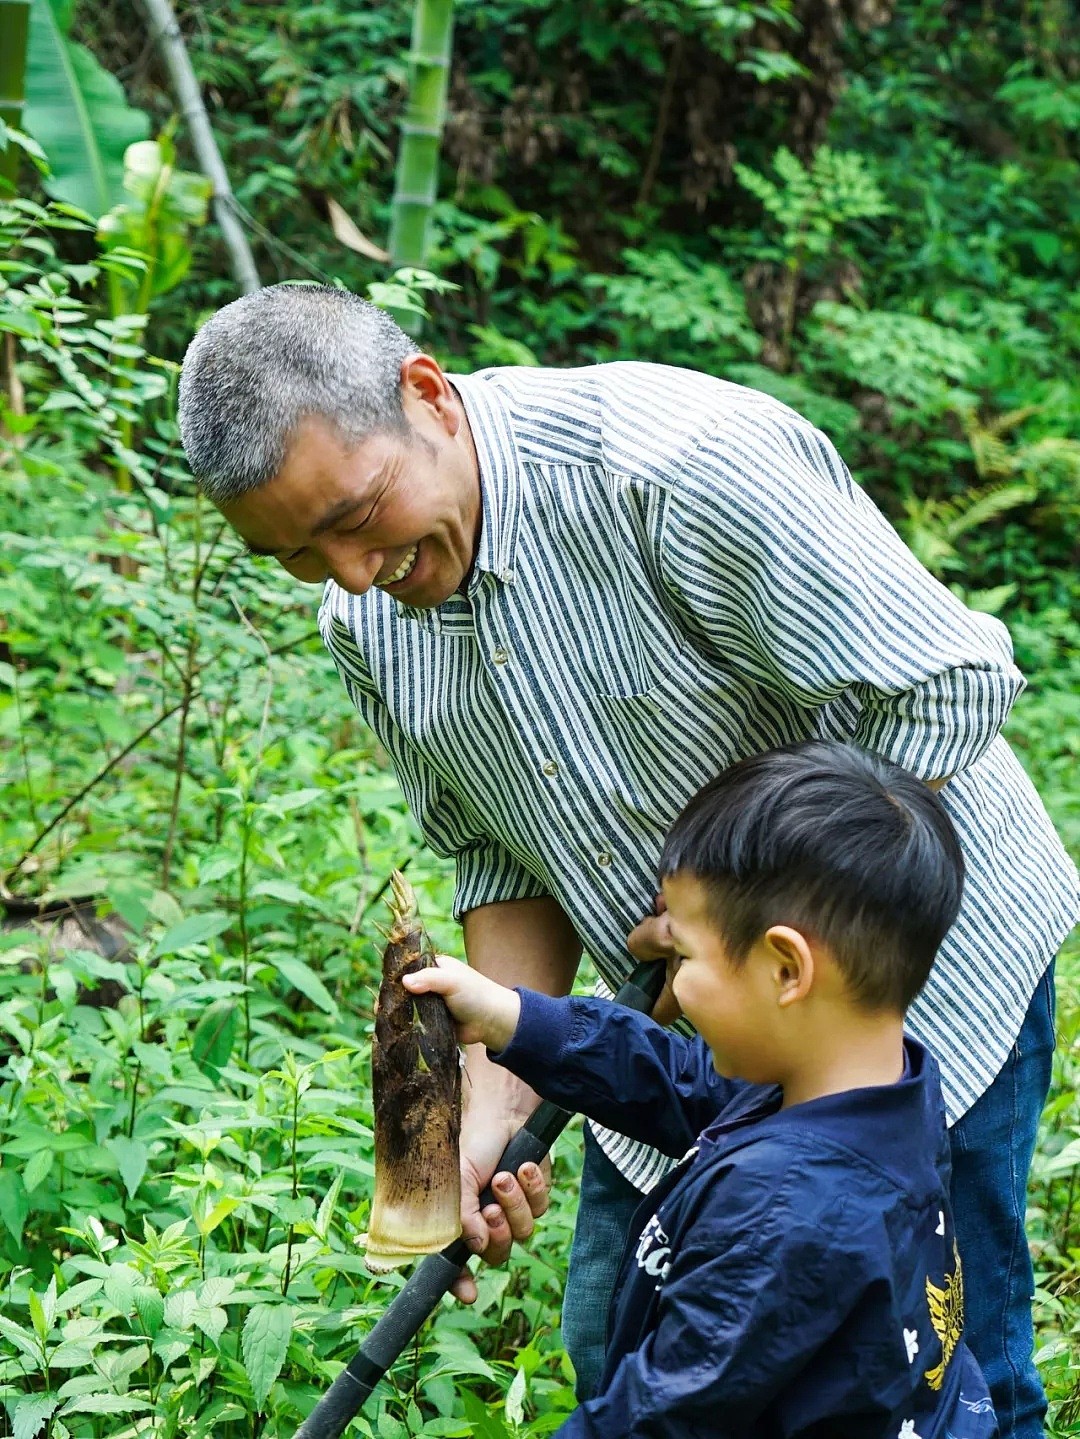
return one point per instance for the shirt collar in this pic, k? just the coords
(500, 477)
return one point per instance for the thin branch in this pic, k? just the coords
(173, 51)
(663, 117)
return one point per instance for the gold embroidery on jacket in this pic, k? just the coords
(947, 1317)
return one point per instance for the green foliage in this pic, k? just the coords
(671, 296)
(811, 203)
(163, 205)
(77, 112)
(879, 229)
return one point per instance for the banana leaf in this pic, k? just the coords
(14, 24)
(77, 112)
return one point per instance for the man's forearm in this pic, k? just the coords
(523, 941)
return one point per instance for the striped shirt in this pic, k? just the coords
(675, 572)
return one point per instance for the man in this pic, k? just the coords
(564, 600)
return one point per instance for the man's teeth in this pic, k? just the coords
(404, 568)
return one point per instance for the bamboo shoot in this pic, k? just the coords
(416, 1082)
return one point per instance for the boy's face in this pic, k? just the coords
(732, 1007)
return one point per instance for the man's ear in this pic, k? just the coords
(422, 381)
(791, 963)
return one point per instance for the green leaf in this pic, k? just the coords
(195, 929)
(265, 1342)
(306, 981)
(484, 1425)
(180, 1309)
(120, 1285)
(105, 1404)
(214, 1037)
(132, 1156)
(78, 113)
(287, 892)
(150, 1307)
(31, 1414)
(20, 1337)
(515, 1399)
(37, 1168)
(14, 1204)
(211, 1320)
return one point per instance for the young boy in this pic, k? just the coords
(796, 1274)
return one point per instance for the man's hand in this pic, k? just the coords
(522, 1198)
(651, 940)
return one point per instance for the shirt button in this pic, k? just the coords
(550, 768)
(603, 859)
(500, 656)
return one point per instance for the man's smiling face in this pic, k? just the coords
(400, 511)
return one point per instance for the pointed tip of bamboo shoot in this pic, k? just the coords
(404, 908)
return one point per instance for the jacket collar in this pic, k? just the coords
(890, 1120)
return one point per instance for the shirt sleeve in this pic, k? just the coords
(618, 1068)
(784, 567)
(745, 1309)
(485, 870)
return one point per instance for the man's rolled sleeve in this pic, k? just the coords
(941, 726)
(486, 873)
(788, 570)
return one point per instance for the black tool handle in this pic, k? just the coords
(415, 1302)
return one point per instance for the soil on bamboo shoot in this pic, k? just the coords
(416, 1083)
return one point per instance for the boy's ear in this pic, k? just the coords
(791, 961)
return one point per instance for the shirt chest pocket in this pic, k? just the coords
(691, 722)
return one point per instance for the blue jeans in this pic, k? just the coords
(992, 1148)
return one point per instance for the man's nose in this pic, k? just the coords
(350, 566)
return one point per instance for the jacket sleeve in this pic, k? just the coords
(485, 870)
(780, 562)
(745, 1309)
(619, 1068)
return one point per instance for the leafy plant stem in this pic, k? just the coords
(663, 117)
(245, 938)
(134, 1098)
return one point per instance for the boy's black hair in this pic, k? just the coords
(838, 843)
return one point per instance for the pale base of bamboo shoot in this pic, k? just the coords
(398, 1234)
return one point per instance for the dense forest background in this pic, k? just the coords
(869, 208)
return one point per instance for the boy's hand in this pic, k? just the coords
(484, 1012)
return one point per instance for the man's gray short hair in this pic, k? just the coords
(267, 361)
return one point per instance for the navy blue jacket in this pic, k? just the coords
(797, 1274)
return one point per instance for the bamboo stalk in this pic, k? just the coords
(416, 178)
(14, 29)
(165, 33)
